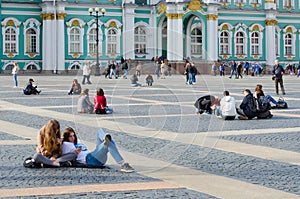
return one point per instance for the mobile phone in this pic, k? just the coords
(80, 147)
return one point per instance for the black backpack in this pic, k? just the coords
(252, 105)
(263, 104)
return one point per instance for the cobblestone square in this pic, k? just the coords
(176, 153)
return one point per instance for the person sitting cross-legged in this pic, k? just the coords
(227, 109)
(248, 107)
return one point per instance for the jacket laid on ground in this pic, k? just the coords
(227, 105)
(247, 106)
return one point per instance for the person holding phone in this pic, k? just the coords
(96, 158)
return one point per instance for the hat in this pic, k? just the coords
(31, 80)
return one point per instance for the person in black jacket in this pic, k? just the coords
(277, 72)
(248, 107)
(125, 68)
(30, 89)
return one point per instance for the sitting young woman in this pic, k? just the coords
(84, 105)
(75, 88)
(100, 105)
(96, 158)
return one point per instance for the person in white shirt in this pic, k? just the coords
(227, 109)
(14, 72)
(86, 73)
(96, 158)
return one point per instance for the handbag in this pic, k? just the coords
(281, 103)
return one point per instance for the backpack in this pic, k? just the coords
(281, 104)
(253, 105)
(263, 104)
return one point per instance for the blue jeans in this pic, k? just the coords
(112, 71)
(98, 157)
(15, 79)
(271, 99)
(125, 72)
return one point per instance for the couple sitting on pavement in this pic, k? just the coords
(56, 152)
(84, 104)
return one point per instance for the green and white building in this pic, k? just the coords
(49, 35)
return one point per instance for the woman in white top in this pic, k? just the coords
(96, 158)
(14, 72)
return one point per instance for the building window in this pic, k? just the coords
(31, 67)
(141, 2)
(112, 41)
(140, 38)
(288, 44)
(31, 41)
(254, 43)
(196, 42)
(92, 41)
(239, 43)
(254, 1)
(224, 43)
(10, 41)
(75, 67)
(75, 40)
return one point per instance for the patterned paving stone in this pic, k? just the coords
(6, 136)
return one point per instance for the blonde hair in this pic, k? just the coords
(84, 92)
(51, 132)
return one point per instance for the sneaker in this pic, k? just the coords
(107, 139)
(206, 113)
(65, 164)
(243, 117)
(127, 168)
(219, 117)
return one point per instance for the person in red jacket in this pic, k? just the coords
(100, 105)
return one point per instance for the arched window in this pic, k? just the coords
(75, 40)
(288, 44)
(31, 41)
(255, 43)
(112, 41)
(75, 67)
(10, 41)
(224, 43)
(9, 67)
(92, 41)
(140, 40)
(31, 67)
(196, 42)
(239, 43)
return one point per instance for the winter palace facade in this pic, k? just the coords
(49, 35)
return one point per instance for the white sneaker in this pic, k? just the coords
(15, 87)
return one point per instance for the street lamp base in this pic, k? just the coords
(97, 71)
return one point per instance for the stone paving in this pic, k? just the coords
(158, 132)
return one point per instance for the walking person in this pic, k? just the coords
(222, 70)
(239, 70)
(163, 68)
(125, 69)
(277, 72)
(138, 69)
(86, 73)
(246, 67)
(113, 70)
(233, 69)
(98, 157)
(298, 70)
(14, 72)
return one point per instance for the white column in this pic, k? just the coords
(174, 32)
(128, 31)
(153, 29)
(270, 42)
(212, 32)
(60, 42)
(47, 42)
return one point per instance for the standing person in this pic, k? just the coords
(222, 69)
(86, 73)
(227, 109)
(157, 67)
(214, 69)
(138, 69)
(233, 69)
(98, 157)
(14, 72)
(84, 105)
(163, 68)
(125, 69)
(107, 69)
(30, 89)
(193, 71)
(100, 105)
(75, 88)
(239, 70)
(298, 70)
(246, 67)
(248, 107)
(186, 72)
(112, 70)
(277, 72)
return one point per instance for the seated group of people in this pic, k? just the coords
(251, 106)
(56, 151)
(134, 80)
(84, 104)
